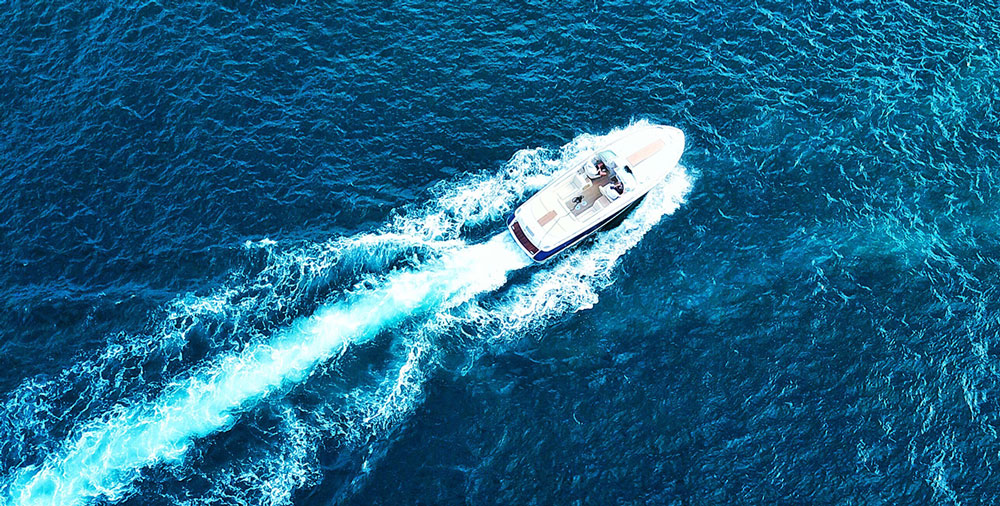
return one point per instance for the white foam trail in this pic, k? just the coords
(287, 279)
(107, 456)
(266, 475)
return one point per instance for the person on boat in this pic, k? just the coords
(596, 169)
(618, 186)
(602, 170)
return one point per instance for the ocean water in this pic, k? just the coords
(255, 254)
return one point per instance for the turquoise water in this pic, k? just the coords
(256, 255)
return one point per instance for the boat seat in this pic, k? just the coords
(609, 192)
(600, 203)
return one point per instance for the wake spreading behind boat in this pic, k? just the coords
(581, 199)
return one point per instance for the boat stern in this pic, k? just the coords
(521, 238)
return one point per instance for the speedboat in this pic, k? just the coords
(595, 189)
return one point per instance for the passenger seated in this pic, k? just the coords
(609, 191)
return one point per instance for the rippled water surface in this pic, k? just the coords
(255, 254)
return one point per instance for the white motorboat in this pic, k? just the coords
(591, 192)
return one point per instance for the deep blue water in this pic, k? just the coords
(255, 254)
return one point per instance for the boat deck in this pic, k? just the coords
(589, 196)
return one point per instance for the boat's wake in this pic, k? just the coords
(362, 323)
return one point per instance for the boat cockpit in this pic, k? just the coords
(606, 173)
